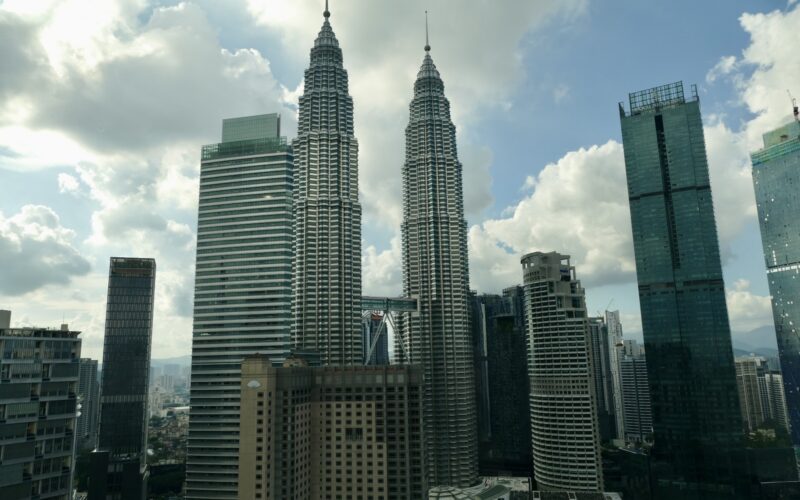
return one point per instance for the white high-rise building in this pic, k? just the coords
(614, 351)
(436, 273)
(563, 411)
(242, 288)
(326, 284)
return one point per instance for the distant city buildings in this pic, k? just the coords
(637, 412)
(330, 432)
(696, 418)
(436, 273)
(614, 327)
(242, 301)
(501, 383)
(761, 394)
(563, 411)
(89, 398)
(118, 469)
(601, 348)
(326, 280)
(39, 371)
(776, 177)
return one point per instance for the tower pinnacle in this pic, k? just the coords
(427, 42)
(327, 13)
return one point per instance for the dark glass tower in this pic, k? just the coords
(118, 467)
(436, 272)
(696, 418)
(776, 178)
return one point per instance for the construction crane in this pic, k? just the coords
(794, 106)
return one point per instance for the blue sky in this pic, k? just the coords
(103, 110)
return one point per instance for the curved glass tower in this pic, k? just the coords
(435, 271)
(326, 283)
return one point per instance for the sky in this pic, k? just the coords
(104, 107)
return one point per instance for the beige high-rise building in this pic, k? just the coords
(330, 432)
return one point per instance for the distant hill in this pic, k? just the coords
(762, 338)
(180, 360)
(766, 352)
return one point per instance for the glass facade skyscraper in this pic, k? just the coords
(776, 178)
(696, 419)
(436, 273)
(242, 288)
(89, 398)
(119, 467)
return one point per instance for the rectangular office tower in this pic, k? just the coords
(38, 387)
(242, 301)
(563, 412)
(501, 383)
(89, 400)
(637, 413)
(330, 432)
(696, 419)
(118, 467)
(603, 377)
(776, 178)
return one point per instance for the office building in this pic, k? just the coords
(615, 343)
(89, 400)
(750, 392)
(774, 399)
(118, 467)
(637, 413)
(436, 272)
(696, 418)
(375, 339)
(776, 175)
(603, 377)
(564, 427)
(501, 383)
(38, 409)
(330, 432)
(242, 301)
(326, 284)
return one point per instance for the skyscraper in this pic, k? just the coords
(372, 326)
(326, 284)
(603, 378)
(750, 392)
(242, 301)
(776, 175)
(38, 383)
(635, 388)
(564, 427)
(614, 352)
(435, 271)
(501, 383)
(89, 397)
(696, 418)
(119, 466)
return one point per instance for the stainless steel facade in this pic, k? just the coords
(326, 281)
(436, 273)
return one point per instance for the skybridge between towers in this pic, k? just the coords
(387, 306)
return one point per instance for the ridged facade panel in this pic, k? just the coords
(326, 285)
(435, 271)
(242, 297)
(563, 411)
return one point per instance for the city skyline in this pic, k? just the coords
(92, 206)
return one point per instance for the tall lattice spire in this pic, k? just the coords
(436, 272)
(326, 282)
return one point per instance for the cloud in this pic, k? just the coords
(724, 66)
(36, 250)
(747, 311)
(577, 206)
(67, 184)
(560, 92)
(382, 270)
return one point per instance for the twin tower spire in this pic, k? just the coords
(326, 279)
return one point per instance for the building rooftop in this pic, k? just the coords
(32, 331)
(779, 142)
(243, 148)
(653, 99)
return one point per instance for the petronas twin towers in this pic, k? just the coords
(326, 284)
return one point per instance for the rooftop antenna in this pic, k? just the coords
(427, 40)
(327, 13)
(794, 106)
